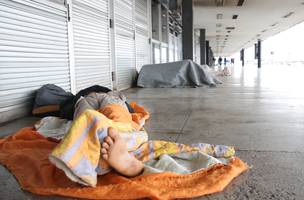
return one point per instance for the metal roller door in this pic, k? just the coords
(197, 49)
(142, 34)
(91, 43)
(124, 42)
(33, 52)
(178, 48)
(171, 48)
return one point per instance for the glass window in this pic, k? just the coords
(156, 53)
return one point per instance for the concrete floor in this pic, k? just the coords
(261, 112)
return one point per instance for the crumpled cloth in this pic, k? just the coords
(78, 154)
(97, 101)
(25, 154)
(53, 127)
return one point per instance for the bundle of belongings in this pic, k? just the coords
(52, 100)
(63, 157)
(184, 73)
(48, 100)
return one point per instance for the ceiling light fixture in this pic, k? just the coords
(288, 15)
(219, 3)
(219, 16)
(240, 2)
(274, 24)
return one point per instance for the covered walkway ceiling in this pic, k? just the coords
(235, 24)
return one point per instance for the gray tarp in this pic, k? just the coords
(184, 73)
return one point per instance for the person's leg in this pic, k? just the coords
(114, 151)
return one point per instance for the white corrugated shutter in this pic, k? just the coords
(33, 52)
(91, 43)
(171, 47)
(197, 49)
(178, 48)
(124, 42)
(142, 34)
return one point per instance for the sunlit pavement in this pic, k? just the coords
(260, 111)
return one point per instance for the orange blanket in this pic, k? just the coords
(25, 154)
(117, 113)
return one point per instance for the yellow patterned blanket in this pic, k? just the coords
(78, 154)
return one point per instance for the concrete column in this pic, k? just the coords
(211, 57)
(207, 53)
(242, 56)
(187, 34)
(203, 46)
(255, 51)
(259, 53)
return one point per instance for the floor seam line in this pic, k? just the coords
(270, 151)
(182, 129)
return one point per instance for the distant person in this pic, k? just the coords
(225, 61)
(220, 61)
(232, 61)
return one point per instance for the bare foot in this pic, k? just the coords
(114, 151)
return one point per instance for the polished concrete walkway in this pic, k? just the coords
(261, 112)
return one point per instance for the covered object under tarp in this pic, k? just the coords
(184, 73)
